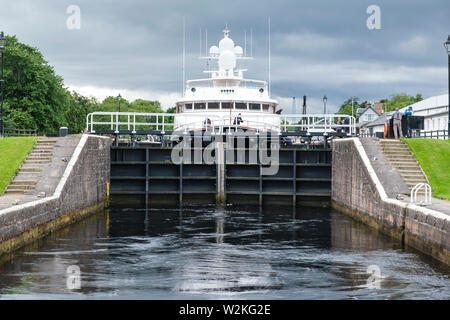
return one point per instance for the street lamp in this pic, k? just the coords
(325, 104)
(2, 48)
(447, 47)
(120, 97)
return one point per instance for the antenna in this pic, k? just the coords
(184, 52)
(251, 42)
(304, 104)
(269, 59)
(294, 106)
(200, 42)
(206, 42)
(245, 43)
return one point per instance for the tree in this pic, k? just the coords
(35, 97)
(78, 110)
(34, 93)
(401, 100)
(346, 107)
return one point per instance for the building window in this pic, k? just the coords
(213, 105)
(188, 106)
(265, 107)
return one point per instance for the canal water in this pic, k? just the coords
(220, 253)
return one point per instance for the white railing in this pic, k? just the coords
(324, 124)
(416, 189)
(321, 123)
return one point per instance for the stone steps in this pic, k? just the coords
(30, 169)
(31, 162)
(22, 182)
(15, 191)
(29, 172)
(410, 172)
(21, 187)
(36, 158)
(400, 157)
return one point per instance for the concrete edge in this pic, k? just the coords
(380, 187)
(61, 183)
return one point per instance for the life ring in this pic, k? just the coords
(386, 130)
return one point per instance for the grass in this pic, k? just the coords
(13, 151)
(433, 156)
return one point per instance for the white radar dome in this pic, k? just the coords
(227, 60)
(214, 51)
(238, 51)
(226, 44)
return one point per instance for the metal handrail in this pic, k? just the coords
(161, 121)
(415, 190)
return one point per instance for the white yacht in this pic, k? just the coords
(226, 99)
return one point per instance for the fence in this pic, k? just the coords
(433, 134)
(12, 132)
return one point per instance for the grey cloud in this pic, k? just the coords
(318, 47)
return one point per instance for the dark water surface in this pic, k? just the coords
(231, 253)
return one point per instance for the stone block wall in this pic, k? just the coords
(82, 187)
(357, 191)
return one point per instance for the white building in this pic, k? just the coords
(435, 111)
(365, 115)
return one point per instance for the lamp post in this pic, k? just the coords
(447, 47)
(352, 106)
(120, 97)
(2, 48)
(325, 104)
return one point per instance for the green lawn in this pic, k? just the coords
(13, 152)
(433, 156)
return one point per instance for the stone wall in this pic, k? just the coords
(82, 188)
(357, 191)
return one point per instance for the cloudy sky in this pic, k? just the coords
(318, 47)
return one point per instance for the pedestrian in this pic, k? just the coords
(339, 122)
(347, 125)
(397, 123)
(238, 119)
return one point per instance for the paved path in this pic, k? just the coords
(437, 204)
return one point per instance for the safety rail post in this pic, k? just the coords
(415, 190)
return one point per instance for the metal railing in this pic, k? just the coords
(13, 132)
(433, 134)
(416, 189)
(324, 124)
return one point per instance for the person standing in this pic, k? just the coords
(397, 118)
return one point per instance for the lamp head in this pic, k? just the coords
(447, 45)
(2, 41)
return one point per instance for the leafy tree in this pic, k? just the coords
(34, 93)
(402, 100)
(346, 107)
(172, 110)
(399, 100)
(76, 113)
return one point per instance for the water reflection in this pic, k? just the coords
(270, 253)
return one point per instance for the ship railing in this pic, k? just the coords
(132, 121)
(321, 123)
